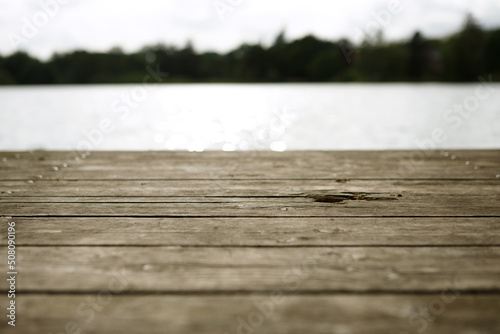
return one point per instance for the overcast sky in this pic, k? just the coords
(219, 25)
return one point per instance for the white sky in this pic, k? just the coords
(99, 25)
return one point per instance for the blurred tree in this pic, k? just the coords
(326, 65)
(299, 54)
(280, 39)
(188, 62)
(6, 78)
(462, 57)
(210, 66)
(492, 53)
(26, 70)
(417, 61)
(383, 63)
(464, 52)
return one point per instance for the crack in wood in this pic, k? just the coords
(347, 196)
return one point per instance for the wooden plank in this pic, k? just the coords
(254, 171)
(386, 206)
(357, 268)
(257, 165)
(230, 269)
(43, 188)
(230, 314)
(41, 155)
(278, 232)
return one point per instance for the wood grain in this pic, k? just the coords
(353, 269)
(249, 232)
(177, 242)
(11, 190)
(254, 165)
(409, 206)
(318, 314)
(357, 314)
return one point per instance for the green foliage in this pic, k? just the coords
(492, 52)
(464, 53)
(22, 69)
(326, 65)
(6, 78)
(461, 57)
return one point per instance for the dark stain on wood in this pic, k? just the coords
(345, 196)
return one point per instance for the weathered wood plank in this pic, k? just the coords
(235, 188)
(256, 165)
(217, 171)
(255, 231)
(358, 314)
(41, 155)
(407, 206)
(341, 275)
(174, 269)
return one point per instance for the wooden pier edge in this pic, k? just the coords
(253, 242)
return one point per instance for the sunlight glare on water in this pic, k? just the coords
(230, 117)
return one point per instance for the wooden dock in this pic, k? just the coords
(253, 242)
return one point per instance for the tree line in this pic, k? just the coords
(461, 57)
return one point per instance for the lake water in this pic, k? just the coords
(276, 117)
